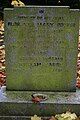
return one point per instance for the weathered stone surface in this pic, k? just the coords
(14, 118)
(41, 48)
(18, 103)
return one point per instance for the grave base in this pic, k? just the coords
(19, 118)
(16, 105)
(14, 118)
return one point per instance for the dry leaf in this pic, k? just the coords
(35, 117)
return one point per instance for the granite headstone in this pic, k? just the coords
(41, 48)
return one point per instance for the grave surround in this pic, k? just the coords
(17, 105)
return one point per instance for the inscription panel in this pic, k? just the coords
(41, 48)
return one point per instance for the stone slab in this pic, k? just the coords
(18, 103)
(14, 118)
(20, 118)
(41, 48)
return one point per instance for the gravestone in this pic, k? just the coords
(41, 48)
(41, 54)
